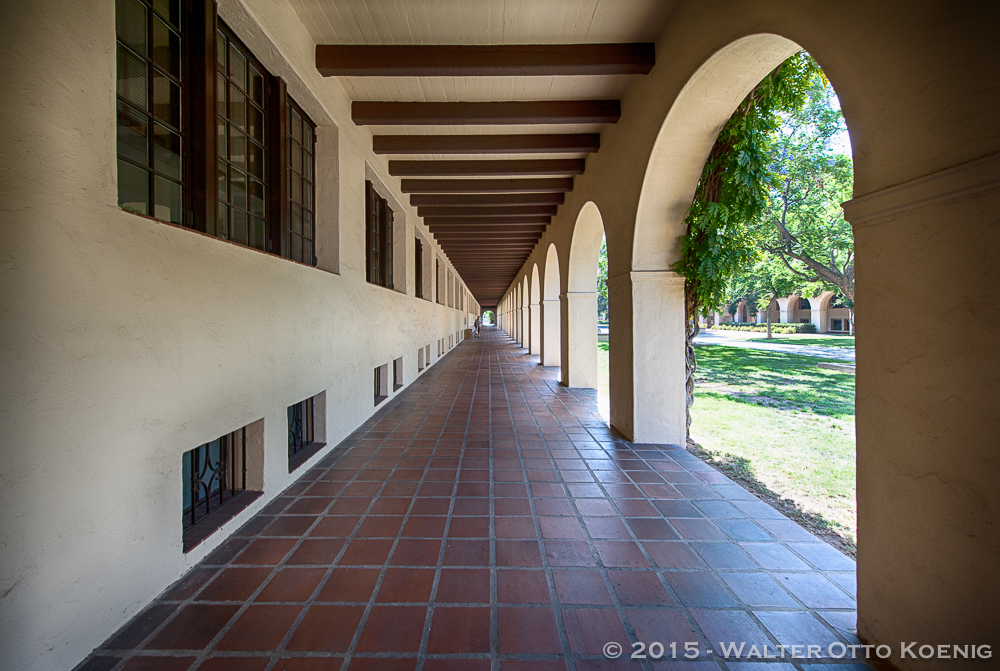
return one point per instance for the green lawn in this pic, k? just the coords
(602, 369)
(813, 339)
(780, 425)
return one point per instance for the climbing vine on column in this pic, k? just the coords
(732, 194)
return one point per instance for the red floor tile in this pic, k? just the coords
(326, 629)
(485, 442)
(456, 630)
(528, 630)
(260, 627)
(393, 629)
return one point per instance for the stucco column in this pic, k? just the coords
(926, 407)
(762, 315)
(579, 339)
(522, 330)
(535, 325)
(821, 311)
(551, 350)
(647, 356)
(783, 313)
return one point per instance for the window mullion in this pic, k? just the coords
(202, 145)
(277, 173)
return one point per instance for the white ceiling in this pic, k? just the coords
(483, 22)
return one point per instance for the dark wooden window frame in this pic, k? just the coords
(418, 267)
(379, 238)
(199, 28)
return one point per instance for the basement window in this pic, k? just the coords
(420, 359)
(306, 429)
(397, 374)
(381, 383)
(216, 482)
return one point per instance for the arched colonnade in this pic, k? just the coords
(921, 209)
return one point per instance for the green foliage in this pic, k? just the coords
(803, 225)
(736, 185)
(602, 282)
(762, 328)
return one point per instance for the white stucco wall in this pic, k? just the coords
(126, 341)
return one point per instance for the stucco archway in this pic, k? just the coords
(551, 319)
(579, 303)
(535, 314)
(647, 378)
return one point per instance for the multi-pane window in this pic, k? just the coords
(207, 138)
(214, 474)
(378, 237)
(150, 119)
(240, 94)
(437, 280)
(419, 267)
(301, 140)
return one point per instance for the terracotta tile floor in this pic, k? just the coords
(487, 518)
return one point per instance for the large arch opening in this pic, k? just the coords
(535, 314)
(579, 356)
(525, 314)
(551, 320)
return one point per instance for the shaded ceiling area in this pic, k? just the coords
(485, 110)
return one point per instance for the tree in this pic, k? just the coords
(803, 224)
(732, 194)
(764, 282)
(602, 282)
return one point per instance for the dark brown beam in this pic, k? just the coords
(512, 228)
(493, 211)
(473, 221)
(486, 185)
(487, 144)
(487, 199)
(508, 168)
(449, 238)
(484, 60)
(378, 113)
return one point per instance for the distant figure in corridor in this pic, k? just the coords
(477, 326)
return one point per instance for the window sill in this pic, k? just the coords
(396, 387)
(194, 535)
(224, 240)
(379, 399)
(302, 456)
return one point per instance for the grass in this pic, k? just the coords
(785, 429)
(782, 427)
(810, 339)
(603, 374)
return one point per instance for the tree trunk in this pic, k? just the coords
(691, 330)
(769, 336)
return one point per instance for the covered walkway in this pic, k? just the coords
(487, 519)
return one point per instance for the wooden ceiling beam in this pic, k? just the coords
(487, 144)
(380, 113)
(487, 199)
(450, 212)
(474, 221)
(477, 230)
(545, 184)
(484, 60)
(487, 168)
